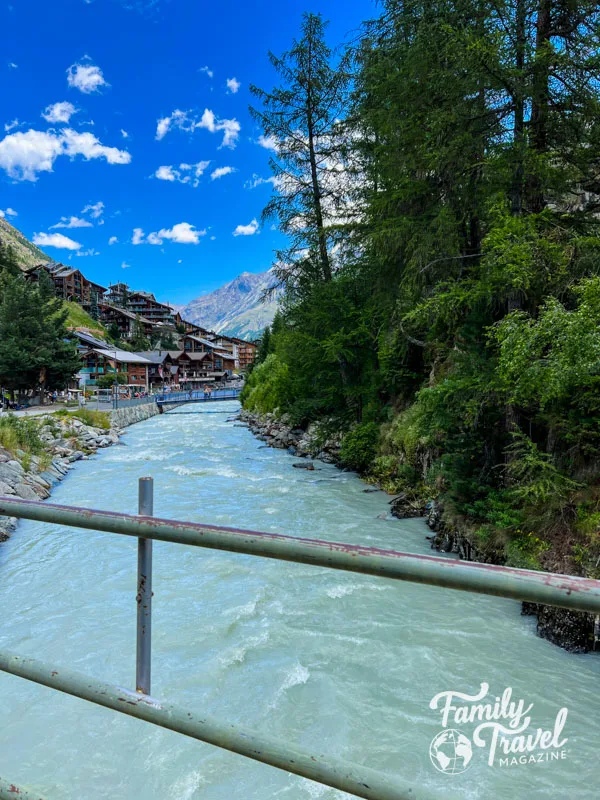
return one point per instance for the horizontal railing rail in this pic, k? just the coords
(360, 781)
(546, 588)
(566, 591)
(197, 395)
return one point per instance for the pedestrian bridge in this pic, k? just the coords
(168, 400)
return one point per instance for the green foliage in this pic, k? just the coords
(267, 388)
(22, 434)
(113, 332)
(108, 380)
(359, 446)
(457, 303)
(34, 348)
(167, 341)
(97, 419)
(78, 318)
(8, 261)
(139, 341)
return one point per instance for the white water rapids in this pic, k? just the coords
(328, 661)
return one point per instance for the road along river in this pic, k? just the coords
(330, 662)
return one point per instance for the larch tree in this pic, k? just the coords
(300, 119)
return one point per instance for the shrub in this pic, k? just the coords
(267, 388)
(22, 434)
(359, 446)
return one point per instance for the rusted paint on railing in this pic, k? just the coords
(566, 591)
(8, 791)
(356, 780)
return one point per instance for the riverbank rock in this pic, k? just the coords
(66, 440)
(572, 630)
(278, 432)
(304, 465)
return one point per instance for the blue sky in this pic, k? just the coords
(91, 150)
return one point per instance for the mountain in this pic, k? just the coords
(28, 255)
(236, 308)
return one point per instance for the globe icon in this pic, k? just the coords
(451, 752)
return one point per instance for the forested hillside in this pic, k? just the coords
(439, 182)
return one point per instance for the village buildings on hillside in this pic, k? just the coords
(198, 357)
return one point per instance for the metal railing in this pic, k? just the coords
(539, 587)
(197, 396)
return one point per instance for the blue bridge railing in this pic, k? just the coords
(197, 396)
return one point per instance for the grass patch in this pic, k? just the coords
(23, 434)
(78, 318)
(97, 419)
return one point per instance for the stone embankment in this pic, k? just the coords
(278, 432)
(123, 417)
(66, 440)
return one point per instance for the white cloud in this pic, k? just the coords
(219, 172)
(12, 65)
(55, 240)
(182, 233)
(8, 126)
(230, 127)
(90, 252)
(124, 134)
(256, 180)
(125, 265)
(185, 173)
(24, 154)
(247, 230)
(88, 146)
(72, 222)
(233, 85)
(188, 122)
(113, 240)
(165, 173)
(268, 142)
(95, 210)
(207, 71)
(8, 212)
(86, 76)
(212, 238)
(59, 112)
(179, 260)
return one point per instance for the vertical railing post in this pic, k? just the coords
(144, 592)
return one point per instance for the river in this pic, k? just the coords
(332, 662)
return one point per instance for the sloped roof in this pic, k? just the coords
(87, 338)
(122, 355)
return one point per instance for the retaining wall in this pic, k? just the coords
(123, 417)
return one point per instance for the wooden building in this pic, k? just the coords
(70, 284)
(106, 360)
(124, 319)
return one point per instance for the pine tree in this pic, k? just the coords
(35, 352)
(139, 341)
(301, 118)
(8, 260)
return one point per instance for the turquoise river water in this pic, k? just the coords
(331, 662)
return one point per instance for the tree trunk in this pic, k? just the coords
(316, 189)
(519, 116)
(540, 98)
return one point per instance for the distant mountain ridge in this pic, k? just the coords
(236, 309)
(28, 255)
